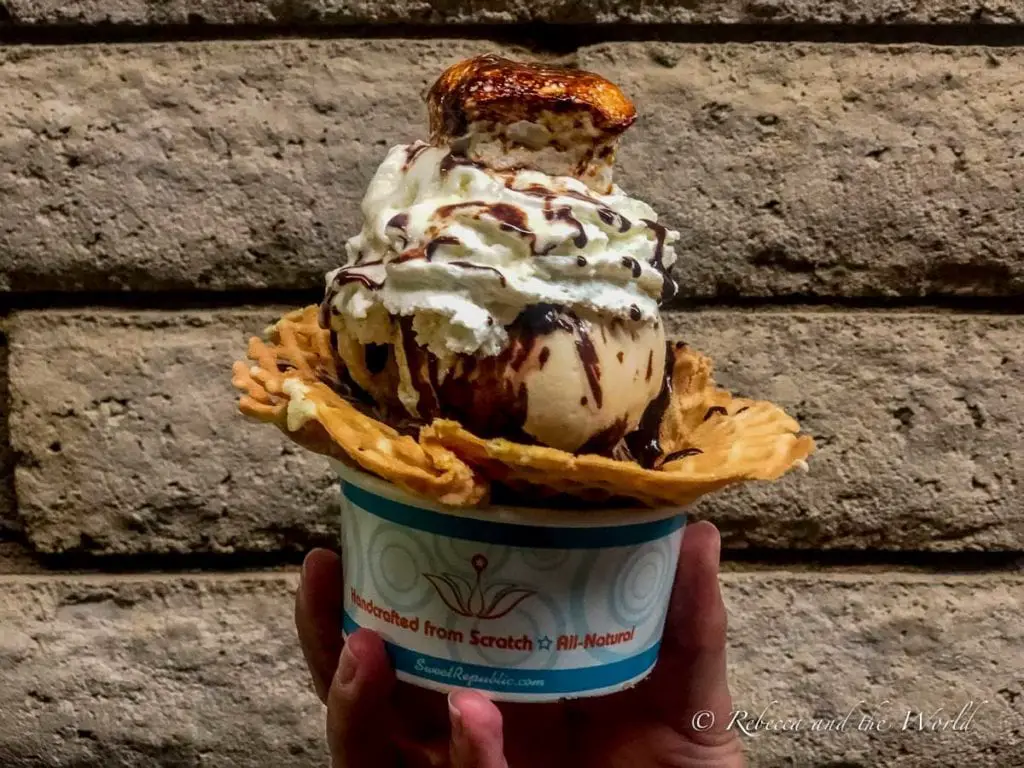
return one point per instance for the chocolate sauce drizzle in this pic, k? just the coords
(606, 214)
(613, 219)
(478, 390)
(601, 442)
(660, 234)
(475, 391)
(591, 365)
(581, 196)
(452, 160)
(669, 289)
(346, 386)
(713, 410)
(564, 213)
(632, 265)
(534, 190)
(437, 242)
(512, 218)
(520, 353)
(422, 368)
(644, 443)
(561, 213)
(376, 357)
(426, 252)
(542, 319)
(411, 153)
(682, 454)
(398, 222)
(470, 265)
(343, 278)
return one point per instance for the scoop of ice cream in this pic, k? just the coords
(506, 115)
(563, 380)
(464, 250)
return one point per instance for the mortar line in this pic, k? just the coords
(934, 562)
(291, 574)
(238, 299)
(943, 563)
(557, 37)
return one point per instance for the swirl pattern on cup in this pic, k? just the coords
(397, 559)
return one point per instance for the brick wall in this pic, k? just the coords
(848, 179)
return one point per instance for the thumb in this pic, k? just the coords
(690, 682)
(477, 739)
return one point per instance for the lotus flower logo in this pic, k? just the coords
(476, 599)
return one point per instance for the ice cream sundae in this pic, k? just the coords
(496, 322)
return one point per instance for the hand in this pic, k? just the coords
(665, 722)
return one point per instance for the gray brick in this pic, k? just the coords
(807, 646)
(830, 170)
(130, 442)
(142, 671)
(919, 420)
(198, 166)
(139, 12)
(101, 671)
(790, 169)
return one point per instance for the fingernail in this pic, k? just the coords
(455, 716)
(347, 666)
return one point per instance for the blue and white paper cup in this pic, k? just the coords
(524, 604)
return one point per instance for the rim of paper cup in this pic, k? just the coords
(543, 516)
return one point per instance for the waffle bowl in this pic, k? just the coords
(708, 438)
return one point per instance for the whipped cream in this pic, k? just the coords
(300, 410)
(463, 249)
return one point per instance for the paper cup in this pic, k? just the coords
(524, 604)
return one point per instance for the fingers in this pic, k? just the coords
(318, 604)
(691, 674)
(358, 714)
(477, 737)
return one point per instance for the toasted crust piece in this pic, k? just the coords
(709, 438)
(494, 89)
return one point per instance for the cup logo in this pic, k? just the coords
(473, 598)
